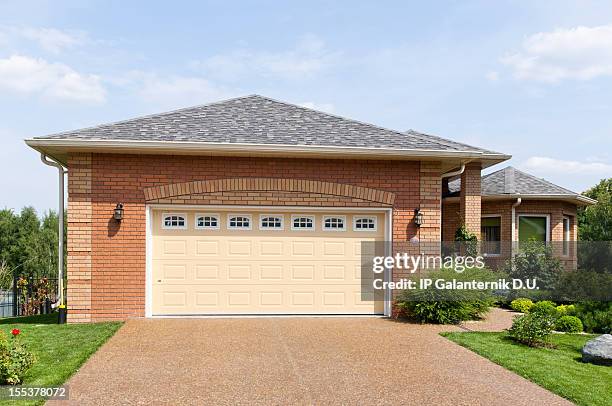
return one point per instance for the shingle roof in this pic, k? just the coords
(511, 181)
(260, 120)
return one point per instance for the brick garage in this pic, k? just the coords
(253, 152)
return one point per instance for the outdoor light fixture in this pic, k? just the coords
(118, 215)
(418, 217)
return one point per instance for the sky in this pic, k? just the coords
(530, 79)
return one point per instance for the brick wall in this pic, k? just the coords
(106, 269)
(469, 198)
(556, 210)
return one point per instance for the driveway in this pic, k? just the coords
(293, 361)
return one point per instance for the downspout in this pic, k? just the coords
(60, 256)
(514, 206)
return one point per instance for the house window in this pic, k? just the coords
(490, 230)
(302, 222)
(566, 235)
(533, 227)
(239, 222)
(207, 221)
(334, 223)
(174, 221)
(270, 222)
(364, 223)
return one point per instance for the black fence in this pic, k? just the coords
(28, 296)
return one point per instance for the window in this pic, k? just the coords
(207, 221)
(270, 222)
(239, 222)
(334, 223)
(299, 222)
(174, 221)
(566, 235)
(533, 227)
(490, 230)
(364, 223)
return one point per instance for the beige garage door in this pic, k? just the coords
(260, 262)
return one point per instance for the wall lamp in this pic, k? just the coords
(118, 212)
(418, 217)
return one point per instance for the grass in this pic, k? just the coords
(59, 349)
(559, 369)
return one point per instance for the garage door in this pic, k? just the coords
(209, 261)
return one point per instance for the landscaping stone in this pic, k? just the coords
(598, 350)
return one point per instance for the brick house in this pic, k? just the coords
(256, 206)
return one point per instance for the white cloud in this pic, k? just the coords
(50, 39)
(177, 91)
(52, 81)
(328, 107)
(547, 165)
(579, 53)
(307, 58)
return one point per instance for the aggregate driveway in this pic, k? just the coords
(293, 361)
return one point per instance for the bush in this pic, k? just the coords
(569, 324)
(521, 304)
(447, 306)
(15, 359)
(566, 310)
(535, 260)
(595, 316)
(532, 329)
(546, 307)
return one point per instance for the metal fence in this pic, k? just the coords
(28, 296)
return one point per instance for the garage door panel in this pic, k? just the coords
(254, 272)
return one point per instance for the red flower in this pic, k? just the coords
(15, 332)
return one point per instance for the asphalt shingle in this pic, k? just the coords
(260, 120)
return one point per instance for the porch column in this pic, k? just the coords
(469, 207)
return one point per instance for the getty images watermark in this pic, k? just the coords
(412, 263)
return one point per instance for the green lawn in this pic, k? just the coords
(558, 370)
(59, 349)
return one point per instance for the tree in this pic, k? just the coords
(595, 222)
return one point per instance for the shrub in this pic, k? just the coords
(521, 304)
(566, 310)
(447, 306)
(595, 316)
(545, 306)
(532, 329)
(15, 359)
(535, 260)
(569, 324)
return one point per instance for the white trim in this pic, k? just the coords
(148, 262)
(235, 228)
(518, 224)
(149, 250)
(163, 221)
(266, 215)
(279, 209)
(308, 216)
(195, 222)
(333, 216)
(374, 218)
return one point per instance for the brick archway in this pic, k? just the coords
(268, 185)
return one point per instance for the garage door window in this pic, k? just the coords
(270, 222)
(335, 223)
(207, 221)
(302, 222)
(174, 221)
(239, 222)
(364, 223)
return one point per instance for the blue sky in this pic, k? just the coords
(532, 79)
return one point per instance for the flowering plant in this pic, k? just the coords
(15, 359)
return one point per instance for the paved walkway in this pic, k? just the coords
(293, 361)
(496, 320)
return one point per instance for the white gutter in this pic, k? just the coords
(455, 173)
(514, 206)
(187, 146)
(60, 216)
